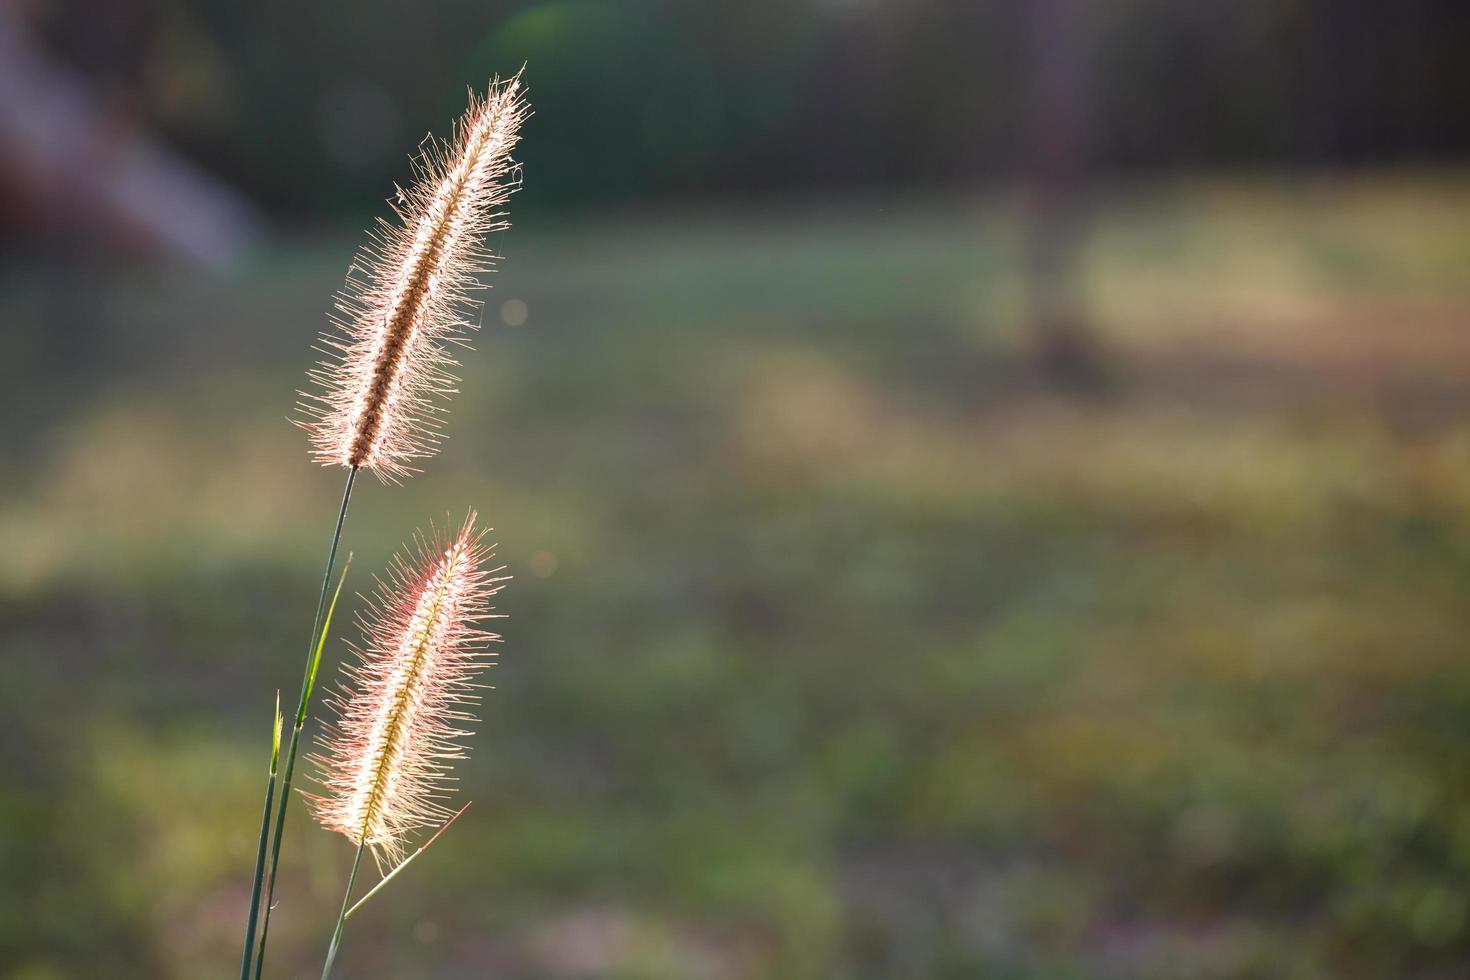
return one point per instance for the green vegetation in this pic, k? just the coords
(840, 645)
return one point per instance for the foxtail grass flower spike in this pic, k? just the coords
(401, 708)
(407, 298)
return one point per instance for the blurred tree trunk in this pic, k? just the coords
(1059, 78)
(77, 159)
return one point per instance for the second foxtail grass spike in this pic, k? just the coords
(401, 709)
(384, 762)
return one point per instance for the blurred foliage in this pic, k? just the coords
(311, 110)
(839, 645)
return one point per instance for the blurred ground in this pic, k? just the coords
(840, 644)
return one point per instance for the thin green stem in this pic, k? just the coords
(404, 863)
(321, 602)
(308, 682)
(265, 826)
(342, 916)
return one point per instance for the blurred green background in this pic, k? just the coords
(987, 485)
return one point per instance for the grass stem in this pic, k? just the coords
(404, 863)
(342, 916)
(319, 629)
(265, 826)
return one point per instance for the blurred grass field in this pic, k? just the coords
(842, 645)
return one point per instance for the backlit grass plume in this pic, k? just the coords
(400, 710)
(376, 405)
(407, 298)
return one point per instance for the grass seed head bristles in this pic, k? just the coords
(401, 707)
(407, 298)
